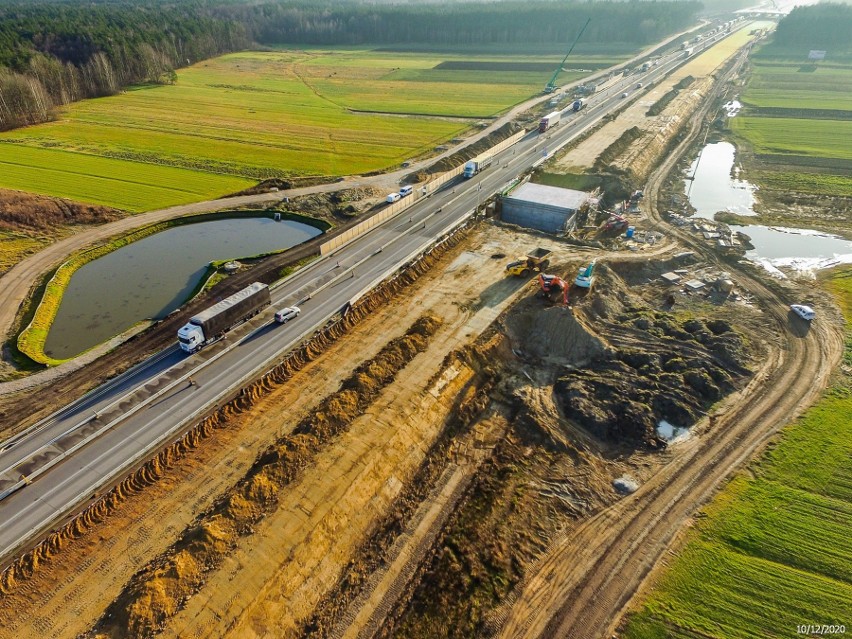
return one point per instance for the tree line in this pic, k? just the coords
(53, 52)
(820, 26)
(467, 23)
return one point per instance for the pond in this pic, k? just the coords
(150, 278)
(714, 187)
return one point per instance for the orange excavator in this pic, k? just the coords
(552, 286)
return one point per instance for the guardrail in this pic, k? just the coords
(420, 192)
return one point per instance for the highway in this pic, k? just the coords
(60, 463)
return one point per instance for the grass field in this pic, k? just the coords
(14, 246)
(797, 136)
(774, 550)
(796, 111)
(133, 186)
(246, 116)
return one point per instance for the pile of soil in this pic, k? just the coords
(617, 366)
(680, 371)
(554, 335)
(27, 211)
(336, 206)
(158, 591)
(472, 150)
(283, 184)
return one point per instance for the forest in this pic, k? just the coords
(820, 26)
(53, 52)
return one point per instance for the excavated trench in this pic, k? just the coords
(95, 514)
(158, 591)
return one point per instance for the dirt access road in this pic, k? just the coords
(584, 584)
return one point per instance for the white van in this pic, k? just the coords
(406, 190)
(805, 312)
(393, 197)
(286, 314)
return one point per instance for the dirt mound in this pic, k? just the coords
(27, 211)
(334, 206)
(554, 335)
(282, 184)
(681, 370)
(160, 590)
(472, 150)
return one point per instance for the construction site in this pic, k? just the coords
(502, 440)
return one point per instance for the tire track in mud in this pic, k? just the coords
(582, 587)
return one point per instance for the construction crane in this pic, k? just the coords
(551, 86)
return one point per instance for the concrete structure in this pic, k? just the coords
(545, 208)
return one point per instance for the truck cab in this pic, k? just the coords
(190, 337)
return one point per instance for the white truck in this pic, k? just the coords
(477, 164)
(549, 121)
(212, 323)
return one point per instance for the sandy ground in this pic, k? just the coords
(72, 590)
(583, 156)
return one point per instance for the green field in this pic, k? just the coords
(797, 136)
(133, 186)
(774, 549)
(234, 120)
(798, 115)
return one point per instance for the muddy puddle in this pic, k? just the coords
(671, 433)
(713, 185)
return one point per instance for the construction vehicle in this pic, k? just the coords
(552, 286)
(551, 86)
(535, 262)
(212, 323)
(615, 223)
(586, 276)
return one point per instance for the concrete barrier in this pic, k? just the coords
(397, 207)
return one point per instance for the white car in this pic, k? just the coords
(286, 314)
(805, 312)
(624, 95)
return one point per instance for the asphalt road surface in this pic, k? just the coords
(59, 463)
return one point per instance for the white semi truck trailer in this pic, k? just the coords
(212, 323)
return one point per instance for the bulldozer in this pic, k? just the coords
(535, 262)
